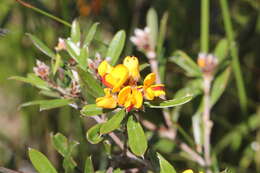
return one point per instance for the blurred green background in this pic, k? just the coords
(235, 141)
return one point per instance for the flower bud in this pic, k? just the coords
(207, 63)
(41, 70)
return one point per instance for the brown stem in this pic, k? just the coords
(193, 155)
(207, 122)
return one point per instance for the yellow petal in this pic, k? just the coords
(188, 171)
(124, 95)
(149, 93)
(117, 77)
(132, 64)
(106, 102)
(104, 68)
(158, 90)
(149, 80)
(137, 98)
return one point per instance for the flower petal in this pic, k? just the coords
(158, 90)
(106, 102)
(104, 68)
(137, 98)
(124, 95)
(149, 80)
(132, 64)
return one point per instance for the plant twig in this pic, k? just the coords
(193, 155)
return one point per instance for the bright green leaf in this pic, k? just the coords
(165, 166)
(82, 59)
(33, 80)
(136, 138)
(73, 49)
(75, 32)
(185, 62)
(117, 171)
(60, 143)
(40, 162)
(89, 165)
(57, 63)
(113, 123)
(116, 46)
(221, 50)
(91, 34)
(91, 110)
(93, 134)
(152, 23)
(91, 84)
(41, 46)
(169, 103)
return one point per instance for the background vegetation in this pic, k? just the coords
(236, 132)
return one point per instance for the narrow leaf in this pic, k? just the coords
(41, 46)
(185, 62)
(136, 137)
(113, 123)
(169, 103)
(162, 33)
(91, 34)
(89, 165)
(91, 110)
(60, 143)
(57, 63)
(221, 50)
(152, 23)
(75, 32)
(165, 166)
(93, 87)
(40, 162)
(73, 49)
(116, 46)
(93, 134)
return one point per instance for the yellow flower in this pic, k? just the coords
(113, 77)
(130, 97)
(189, 171)
(132, 63)
(108, 101)
(150, 90)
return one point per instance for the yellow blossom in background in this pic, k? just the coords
(190, 171)
(108, 101)
(150, 90)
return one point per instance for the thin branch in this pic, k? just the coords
(193, 155)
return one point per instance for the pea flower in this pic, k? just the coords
(132, 64)
(130, 98)
(108, 101)
(150, 90)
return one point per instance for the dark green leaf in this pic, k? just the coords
(143, 66)
(221, 50)
(75, 32)
(82, 59)
(41, 46)
(60, 143)
(91, 34)
(152, 23)
(93, 134)
(89, 166)
(107, 146)
(136, 138)
(165, 166)
(185, 62)
(91, 84)
(162, 33)
(169, 103)
(116, 46)
(40, 162)
(33, 80)
(57, 63)
(113, 123)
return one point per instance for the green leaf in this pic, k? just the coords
(91, 84)
(57, 63)
(40, 162)
(89, 165)
(60, 143)
(219, 85)
(93, 134)
(165, 166)
(169, 103)
(41, 46)
(152, 23)
(221, 50)
(73, 49)
(91, 34)
(113, 123)
(116, 46)
(75, 32)
(82, 59)
(185, 62)
(107, 147)
(48, 104)
(118, 170)
(92, 109)
(136, 138)
(143, 66)
(33, 80)
(162, 33)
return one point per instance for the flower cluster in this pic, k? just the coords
(122, 87)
